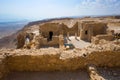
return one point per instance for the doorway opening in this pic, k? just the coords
(50, 36)
(86, 32)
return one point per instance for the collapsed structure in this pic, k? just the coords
(57, 34)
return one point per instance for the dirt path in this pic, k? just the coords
(110, 73)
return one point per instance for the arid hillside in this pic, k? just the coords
(8, 28)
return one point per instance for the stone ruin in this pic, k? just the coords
(57, 34)
(46, 50)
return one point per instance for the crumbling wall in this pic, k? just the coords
(97, 38)
(86, 31)
(47, 27)
(56, 59)
(54, 42)
(89, 29)
(106, 37)
(57, 29)
(61, 41)
(99, 28)
(21, 37)
(110, 32)
(20, 40)
(3, 66)
(53, 61)
(73, 30)
(114, 24)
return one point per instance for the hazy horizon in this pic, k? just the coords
(17, 10)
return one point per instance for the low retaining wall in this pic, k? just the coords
(106, 37)
(55, 60)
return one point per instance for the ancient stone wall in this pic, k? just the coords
(72, 30)
(99, 28)
(61, 41)
(57, 28)
(86, 31)
(55, 60)
(20, 40)
(114, 24)
(97, 38)
(3, 65)
(89, 29)
(54, 42)
(53, 27)
(106, 37)
(110, 32)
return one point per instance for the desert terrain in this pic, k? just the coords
(8, 28)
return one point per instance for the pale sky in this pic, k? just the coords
(41, 9)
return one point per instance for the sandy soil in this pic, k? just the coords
(78, 43)
(75, 75)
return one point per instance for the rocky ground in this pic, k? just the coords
(110, 73)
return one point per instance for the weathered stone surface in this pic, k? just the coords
(94, 75)
(3, 66)
(51, 59)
